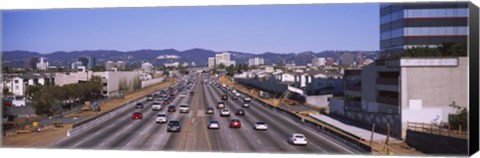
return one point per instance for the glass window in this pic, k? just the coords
(428, 13)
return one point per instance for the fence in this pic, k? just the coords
(438, 129)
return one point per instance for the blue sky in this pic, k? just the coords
(253, 29)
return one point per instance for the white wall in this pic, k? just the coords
(147, 83)
(319, 101)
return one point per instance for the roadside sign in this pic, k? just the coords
(35, 124)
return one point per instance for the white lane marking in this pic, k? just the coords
(259, 142)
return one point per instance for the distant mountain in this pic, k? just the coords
(197, 55)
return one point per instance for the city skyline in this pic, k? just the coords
(253, 29)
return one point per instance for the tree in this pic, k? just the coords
(459, 118)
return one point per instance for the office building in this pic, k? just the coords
(211, 62)
(408, 25)
(42, 64)
(255, 61)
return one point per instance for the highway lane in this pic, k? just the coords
(121, 132)
(318, 142)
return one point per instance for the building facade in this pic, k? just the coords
(408, 25)
(255, 61)
(211, 62)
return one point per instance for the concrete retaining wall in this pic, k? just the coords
(436, 144)
(152, 82)
(318, 101)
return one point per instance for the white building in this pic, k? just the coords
(17, 84)
(255, 61)
(147, 67)
(174, 64)
(224, 59)
(211, 62)
(42, 64)
(112, 80)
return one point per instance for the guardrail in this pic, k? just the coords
(437, 129)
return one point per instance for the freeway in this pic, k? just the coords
(122, 132)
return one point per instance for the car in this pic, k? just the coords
(209, 110)
(246, 105)
(137, 116)
(220, 105)
(173, 126)
(235, 97)
(235, 123)
(161, 118)
(184, 108)
(156, 95)
(156, 106)
(224, 112)
(166, 102)
(213, 124)
(240, 112)
(247, 99)
(192, 93)
(149, 97)
(139, 105)
(224, 97)
(183, 95)
(297, 139)
(172, 108)
(260, 125)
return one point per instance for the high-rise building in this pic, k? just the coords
(211, 62)
(359, 58)
(255, 61)
(92, 62)
(330, 61)
(42, 64)
(32, 63)
(226, 56)
(408, 25)
(347, 59)
(314, 61)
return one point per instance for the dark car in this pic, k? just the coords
(139, 105)
(234, 97)
(224, 97)
(192, 93)
(173, 126)
(209, 110)
(235, 123)
(137, 116)
(240, 112)
(172, 108)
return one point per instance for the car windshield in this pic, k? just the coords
(173, 123)
(183, 106)
(299, 136)
(260, 123)
(161, 115)
(213, 121)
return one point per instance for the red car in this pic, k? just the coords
(137, 116)
(235, 123)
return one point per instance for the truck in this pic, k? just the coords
(18, 102)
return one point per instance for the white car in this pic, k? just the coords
(246, 105)
(161, 118)
(260, 125)
(237, 94)
(224, 112)
(183, 95)
(157, 106)
(213, 125)
(297, 139)
(184, 108)
(247, 99)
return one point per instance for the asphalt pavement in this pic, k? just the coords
(122, 132)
